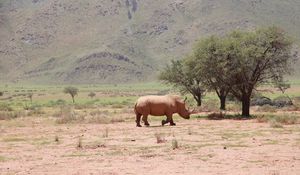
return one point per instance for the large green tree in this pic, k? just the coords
(210, 63)
(182, 77)
(259, 57)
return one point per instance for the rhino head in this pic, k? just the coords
(182, 110)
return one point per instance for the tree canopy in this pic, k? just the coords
(236, 63)
(182, 77)
(73, 91)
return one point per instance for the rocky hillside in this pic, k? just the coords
(119, 41)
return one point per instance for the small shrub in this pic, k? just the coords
(79, 144)
(105, 134)
(56, 139)
(282, 101)
(159, 138)
(261, 101)
(190, 131)
(92, 94)
(262, 118)
(174, 143)
(66, 115)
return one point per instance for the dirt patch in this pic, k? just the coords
(204, 147)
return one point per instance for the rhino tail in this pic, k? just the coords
(135, 108)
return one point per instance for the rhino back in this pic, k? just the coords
(155, 105)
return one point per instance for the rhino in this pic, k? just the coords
(160, 105)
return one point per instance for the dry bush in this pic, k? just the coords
(56, 139)
(216, 116)
(174, 143)
(79, 143)
(5, 115)
(159, 138)
(190, 131)
(65, 115)
(275, 124)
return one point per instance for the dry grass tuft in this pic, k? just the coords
(105, 133)
(275, 124)
(174, 143)
(159, 138)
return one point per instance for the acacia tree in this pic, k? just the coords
(259, 57)
(73, 91)
(209, 62)
(183, 78)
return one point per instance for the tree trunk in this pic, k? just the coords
(222, 102)
(198, 98)
(246, 106)
(73, 100)
(198, 102)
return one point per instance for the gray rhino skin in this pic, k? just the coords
(158, 106)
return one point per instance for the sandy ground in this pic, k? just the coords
(28, 146)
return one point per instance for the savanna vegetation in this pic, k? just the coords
(94, 130)
(237, 64)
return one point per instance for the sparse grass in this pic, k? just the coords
(275, 124)
(286, 119)
(13, 139)
(266, 108)
(3, 159)
(5, 107)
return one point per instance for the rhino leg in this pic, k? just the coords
(169, 119)
(172, 122)
(138, 119)
(145, 120)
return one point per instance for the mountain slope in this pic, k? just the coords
(112, 41)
